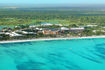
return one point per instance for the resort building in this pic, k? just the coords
(50, 24)
(46, 24)
(32, 26)
(51, 31)
(64, 30)
(26, 33)
(99, 31)
(58, 25)
(13, 34)
(77, 30)
(91, 25)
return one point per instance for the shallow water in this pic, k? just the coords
(77, 54)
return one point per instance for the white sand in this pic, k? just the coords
(41, 39)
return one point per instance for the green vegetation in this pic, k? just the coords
(60, 16)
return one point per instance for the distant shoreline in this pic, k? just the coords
(42, 39)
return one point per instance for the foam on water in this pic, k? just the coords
(81, 54)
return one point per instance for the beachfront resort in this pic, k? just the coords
(49, 30)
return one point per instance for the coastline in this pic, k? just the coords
(42, 39)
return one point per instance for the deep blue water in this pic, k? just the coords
(77, 54)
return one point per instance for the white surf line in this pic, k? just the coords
(42, 39)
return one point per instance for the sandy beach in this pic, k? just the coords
(41, 39)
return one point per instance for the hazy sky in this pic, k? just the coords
(54, 1)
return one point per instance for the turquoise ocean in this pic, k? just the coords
(75, 54)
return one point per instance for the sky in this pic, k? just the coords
(54, 1)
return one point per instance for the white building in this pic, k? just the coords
(92, 25)
(58, 24)
(13, 34)
(25, 32)
(47, 24)
(77, 30)
(98, 30)
(80, 28)
(64, 28)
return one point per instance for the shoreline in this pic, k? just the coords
(43, 39)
